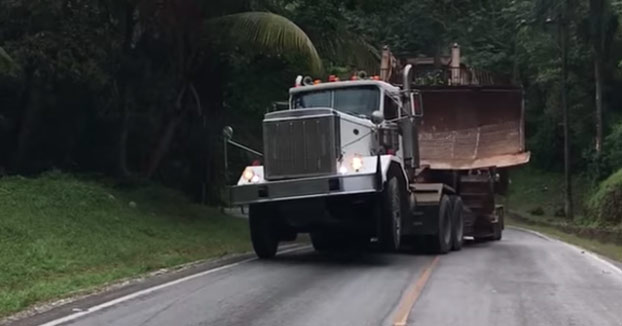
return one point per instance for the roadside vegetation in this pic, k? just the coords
(60, 234)
(536, 202)
(539, 195)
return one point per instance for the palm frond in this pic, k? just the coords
(6, 63)
(352, 50)
(264, 32)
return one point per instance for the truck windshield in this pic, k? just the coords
(359, 101)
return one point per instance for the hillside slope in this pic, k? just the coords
(60, 234)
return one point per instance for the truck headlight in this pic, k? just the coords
(357, 163)
(249, 175)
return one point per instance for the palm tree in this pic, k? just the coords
(191, 35)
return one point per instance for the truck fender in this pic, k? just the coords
(387, 162)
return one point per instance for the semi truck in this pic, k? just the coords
(375, 161)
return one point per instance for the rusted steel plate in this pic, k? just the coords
(467, 128)
(501, 161)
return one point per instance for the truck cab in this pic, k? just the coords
(326, 159)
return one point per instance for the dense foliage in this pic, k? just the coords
(142, 88)
(605, 205)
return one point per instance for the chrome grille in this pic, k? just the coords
(300, 143)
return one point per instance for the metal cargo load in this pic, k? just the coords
(472, 127)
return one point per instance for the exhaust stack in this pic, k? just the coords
(408, 125)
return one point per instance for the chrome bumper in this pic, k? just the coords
(305, 188)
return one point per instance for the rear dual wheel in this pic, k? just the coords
(457, 225)
(441, 242)
(498, 229)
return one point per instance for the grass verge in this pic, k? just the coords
(535, 190)
(609, 250)
(60, 234)
(536, 201)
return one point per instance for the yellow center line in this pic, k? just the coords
(410, 297)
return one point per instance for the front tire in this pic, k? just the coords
(391, 215)
(264, 233)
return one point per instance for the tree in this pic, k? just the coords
(602, 26)
(189, 35)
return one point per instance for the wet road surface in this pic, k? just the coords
(524, 279)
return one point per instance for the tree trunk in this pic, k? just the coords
(168, 134)
(29, 115)
(568, 204)
(598, 76)
(124, 129)
(124, 121)
(437, 55)
(164, 144)
(597, 13)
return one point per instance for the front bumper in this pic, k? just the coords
(305, 188)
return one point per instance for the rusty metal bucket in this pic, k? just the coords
(471, 127)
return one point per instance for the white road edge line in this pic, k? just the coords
(143, 292)
(592, 255)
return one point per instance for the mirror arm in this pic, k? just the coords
(240, 146)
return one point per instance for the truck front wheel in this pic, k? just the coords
(391, 215)
(264, 233)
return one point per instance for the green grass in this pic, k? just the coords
(60, 234)
(609, 250)
(532, 188)
(604, 205)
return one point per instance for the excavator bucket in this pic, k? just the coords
(472, 127)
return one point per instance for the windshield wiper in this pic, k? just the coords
(356, 114)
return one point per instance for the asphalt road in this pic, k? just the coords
(522, 280)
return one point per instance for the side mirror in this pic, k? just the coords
(377, 117)
(227, 132)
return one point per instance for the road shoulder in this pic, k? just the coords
(50, 311)
(610, 252)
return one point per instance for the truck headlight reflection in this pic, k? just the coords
(249, 175)
(357, 163)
